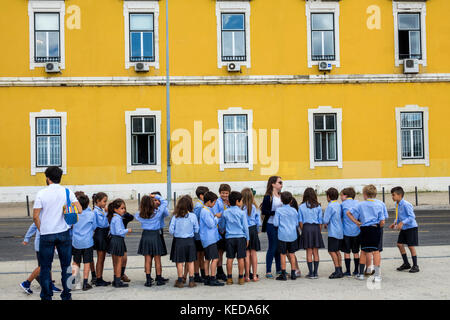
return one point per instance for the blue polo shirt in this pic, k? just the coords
(83, 230)
(184, 227)
(333, 218)
(310, 215)
(350, 228)
(209, 233)
(234, 223)
(406, 215)
(287, 220)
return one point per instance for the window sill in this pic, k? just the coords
(155, 167)
(413, 161)
(326, 164)
(224, 166)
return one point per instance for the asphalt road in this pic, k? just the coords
(434, 229)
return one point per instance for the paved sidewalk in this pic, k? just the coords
(432, 282)
(427, 201)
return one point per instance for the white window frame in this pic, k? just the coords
(233, 7)
(57, 6)
(141, 7)
(426, 145)
(46, 113)
(411, 7)
(143, 112)
(325, 109)
(318, 6)
(236, 111)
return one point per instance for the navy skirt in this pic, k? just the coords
(163, 243)
(117, 246)
(183, 250)
(101, 239)
(254, 243)
(151, 244)
(311, 237)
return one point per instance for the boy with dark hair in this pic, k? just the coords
(332, 218)
(82, 239)
(234, 223)
(199, 263)
(221, 205)
(405, 221)
(287, 219)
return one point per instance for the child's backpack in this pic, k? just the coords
(70, 211)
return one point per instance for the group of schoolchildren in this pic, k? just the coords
(230, 223)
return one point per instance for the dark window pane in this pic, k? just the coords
(137, 125)
(149, 125)
(403, 44)
(330, 121)
(318, 145)
(318, 122)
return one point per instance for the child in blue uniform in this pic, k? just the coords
(183, 226)
(209, 236)
(370, 217)
(100, 238)
(82, 239)
(405, 222)
(254, 222)
(235, 225)
(332, 218)
(351, 242)
(116, 210)
(221, 205)
(199, 272)
(311, 224)
(150, 245)
(287, 219)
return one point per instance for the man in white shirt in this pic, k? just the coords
(49, 219)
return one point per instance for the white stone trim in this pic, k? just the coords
(411, 7)
(322, 109)
(143, 112)
(238, 111)
(224, 80)
(141, 7)
(233, 7)
(130, 191)
(318, 6)
(45, 114)
(47, 6)
(426, 147)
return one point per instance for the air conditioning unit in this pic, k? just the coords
(233, 67)
(410, 66)
(141, 67)
(51, 67)
(325, 66)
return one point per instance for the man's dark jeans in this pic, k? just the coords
(63, 243)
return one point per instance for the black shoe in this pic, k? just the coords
(160, 282)
(334, 275)
(281, 277)
(93, 281)
(148, 283)
(102, 283)
(310, 276)
(86, 287)
(404, 266)
(222, 277)
(414, 269)
(198, 279)
(120, 284)
(215, 283)
(164, 279)
(293, 275)
(206, 281)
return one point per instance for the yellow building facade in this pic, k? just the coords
(321, 93)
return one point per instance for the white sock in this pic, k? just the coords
(377, 271)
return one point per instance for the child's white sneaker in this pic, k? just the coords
(360, 277)
(377, 279)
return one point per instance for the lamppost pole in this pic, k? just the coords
(169, 168)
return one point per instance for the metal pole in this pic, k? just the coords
(417, 198)
(139, 199)
(28, 207)
(449, 194)
(174, 200)
(383, 194)
(169, 169)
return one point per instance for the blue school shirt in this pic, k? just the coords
(287, 220)
(406, 215)
(31, 231)
(234, 223)
(163, 206)
(350, 229)
(83, 230)
(310, 215)
(219, 207)
(197, 209)
(254, 219)
(369, 212)
(101, 217)
(333, 218)
(116, 226)
(184, 227)
(209, 233)
(153, 223)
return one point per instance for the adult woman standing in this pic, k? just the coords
(271, 202)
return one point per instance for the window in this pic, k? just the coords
(46, 28)
(323, 32)
(141, 33)
(409, 36)
(322, 29)
(235, 138)
(233, 37)
(143, 140)
(233, 32)
(409, 46)
(412, 135)
(141, 37)
(325, 137)
(48, 140)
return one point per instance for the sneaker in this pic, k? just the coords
(281, 277)
(178, 284)
(404, 266)
(347, 274)
(119, 284)
(316, 276)
(269, 276)
(198, 279)
(376, 279)
(86, 287)
(102, 283)
(310, 276)
(78, 286)
(26, 287)
(125, 278)
(55, 289)
(369, 271)
(192, 284)
(414, 269)
(355, 273)
(298, 273)
(360, 277)
(230, 281)
(215, 283)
